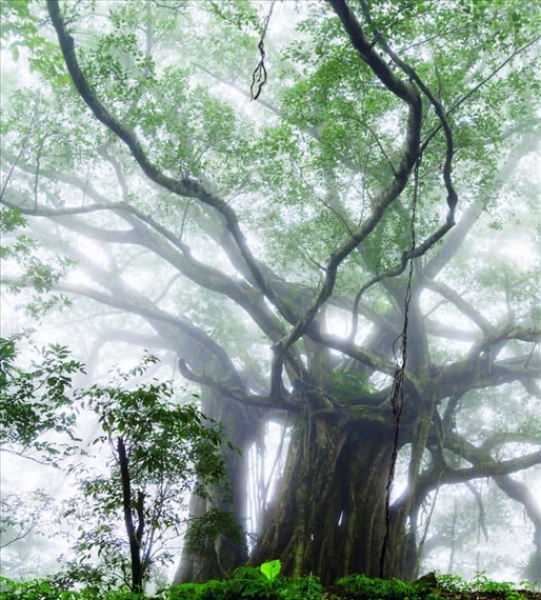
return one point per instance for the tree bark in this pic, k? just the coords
(241, 426)
(329, 517)
(134, 535)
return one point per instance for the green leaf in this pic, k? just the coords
(271, 569)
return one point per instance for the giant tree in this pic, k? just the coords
(324, 210)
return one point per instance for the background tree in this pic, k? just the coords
(23, 521)
(354, 257)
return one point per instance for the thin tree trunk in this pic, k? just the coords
(134, 535)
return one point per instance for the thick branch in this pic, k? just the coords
(386, 197)
(452, 197)
(464, 307)
(233, 392)
(461, 376)
(486, 467)
(143, 233)
(125, 298)
(519, 492)
(394, 84)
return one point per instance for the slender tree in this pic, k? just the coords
(323, 209)
(148, 482)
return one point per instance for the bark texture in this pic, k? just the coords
(222, 555)
(329, 517)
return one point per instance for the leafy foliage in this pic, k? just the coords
(301, 208)
(361, 587)
(37, 400)
(481, 584)
(46, 589)
(252, 583)
(159, 451)
(248, 583)
(166, 450)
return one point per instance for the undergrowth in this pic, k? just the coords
(360, 587)
(265, 583)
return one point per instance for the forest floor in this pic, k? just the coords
(333, 593)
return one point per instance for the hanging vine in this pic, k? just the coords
(397, 395)
(259, 76)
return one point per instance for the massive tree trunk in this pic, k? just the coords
(329, 517)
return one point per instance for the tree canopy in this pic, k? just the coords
(327, 211)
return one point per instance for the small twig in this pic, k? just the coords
(168, 286)
(183, 222)
(461, 101)
(312, 260)
(380, 146)
(14, 165)
(21, 536)
(104, 152)
(36, 175)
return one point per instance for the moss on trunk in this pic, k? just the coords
(329, 517)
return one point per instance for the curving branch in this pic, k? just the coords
(463, 375)
(493, 343)
(407, 255)
(191, 188)
(188, 188)
(385, 198)
(147, 232)
(462, 305)
(472, 213)
(237, 393)
(201, 347)
(506, 437)
(518, 491)
(452, 197)
(484, 467)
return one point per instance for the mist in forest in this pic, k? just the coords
(316, 222)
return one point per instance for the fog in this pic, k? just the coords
(323, 219)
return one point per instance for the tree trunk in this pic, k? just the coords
(329, 517)
(241, 426)
(134, 534)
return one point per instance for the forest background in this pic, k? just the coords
(326, 214)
